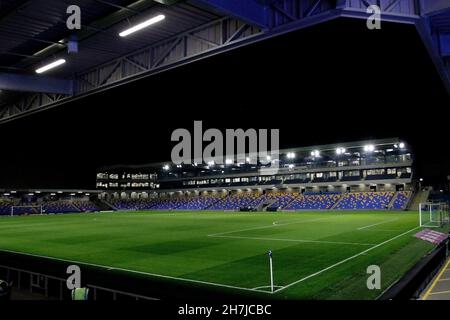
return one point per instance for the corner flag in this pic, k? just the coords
(271, 270)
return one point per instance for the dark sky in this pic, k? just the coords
(330, 83)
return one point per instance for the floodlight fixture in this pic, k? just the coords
(50, 66)
(369, 148)
(142, 25)
(291, 155)
(340, 151)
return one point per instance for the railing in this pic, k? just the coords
(417, 279)
(54, 288)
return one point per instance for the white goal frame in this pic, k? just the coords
(40, 209)
(438, 213)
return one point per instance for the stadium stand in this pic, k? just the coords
(402, 199)
(313, 202)
(365, 200)
(200, 203)
(133, 204)
(60, 206)
(280, 200)
(168, 203)
(269, 201)
(239, 200)
(48, 206)
(85, 206)
(5, 208)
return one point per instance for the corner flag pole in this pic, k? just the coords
(271, 270)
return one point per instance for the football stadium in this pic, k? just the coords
(351, 202)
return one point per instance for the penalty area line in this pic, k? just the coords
(344, 261)
(377, 224)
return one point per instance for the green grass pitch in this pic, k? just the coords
(316, 255)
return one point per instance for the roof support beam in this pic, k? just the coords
(253, 12)
(438, 46)
(204, 41)
(429, 7)
(28, 83)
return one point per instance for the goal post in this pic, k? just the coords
(21, 210)
(433, 214)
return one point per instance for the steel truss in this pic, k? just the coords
(226, 34)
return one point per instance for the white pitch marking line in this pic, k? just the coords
(265, 227)
(383, 230)
(345, 260)
(377, 224)
(263, 287)
(137, 272)
(295, 240)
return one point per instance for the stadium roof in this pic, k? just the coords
(34, 33)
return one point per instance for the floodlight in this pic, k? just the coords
(315, 153)
(166, 167)
(291, 155)
(269, 158)
(247, 159)
(142, 25)
(402, 145)
(211, 163)
(228, 161)
(50, 66)
(340, 151)
(369, 148)
(291, 166)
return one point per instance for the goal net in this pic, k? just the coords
(25, 210)
(433, 215)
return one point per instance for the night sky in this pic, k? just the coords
(331, 83)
